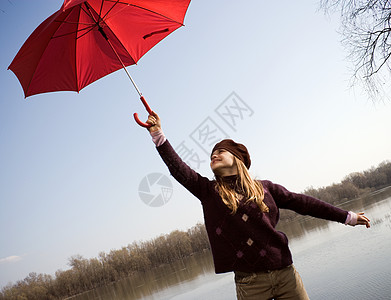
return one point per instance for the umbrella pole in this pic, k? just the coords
(135, 115)
(123, 66)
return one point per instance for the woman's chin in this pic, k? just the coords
(216, 171)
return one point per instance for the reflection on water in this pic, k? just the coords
(348, 263)
(334, 260)
(156, 284)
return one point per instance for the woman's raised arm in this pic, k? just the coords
(197, 184)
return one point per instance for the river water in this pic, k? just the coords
(335, 262)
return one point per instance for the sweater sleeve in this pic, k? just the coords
(305, 205)
(198, 185)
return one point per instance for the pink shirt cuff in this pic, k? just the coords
(351, 219)
(158, 137)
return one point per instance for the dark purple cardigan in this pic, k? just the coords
(246, 241)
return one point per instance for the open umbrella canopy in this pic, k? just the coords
(86, 40)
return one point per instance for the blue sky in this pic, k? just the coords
(71, 164)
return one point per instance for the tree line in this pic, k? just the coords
(87, 274)
(354, 184)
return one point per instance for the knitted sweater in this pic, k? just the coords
(246, 241)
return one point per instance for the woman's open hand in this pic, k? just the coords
(363, 220)
(358, 219)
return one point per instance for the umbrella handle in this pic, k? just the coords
(149, 110)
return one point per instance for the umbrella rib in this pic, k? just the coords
(89, 28)
(88, 13)
(76, 23)
(101, 18)
(108, 27)
(108, 10)
(101, 7)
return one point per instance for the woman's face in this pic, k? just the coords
(222, 163)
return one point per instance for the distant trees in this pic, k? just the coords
(87, 274)
(354, 184)
(33, 287)
(335, 193)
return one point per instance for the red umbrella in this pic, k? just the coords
(88, 39)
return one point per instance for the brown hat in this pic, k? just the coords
(239, 150)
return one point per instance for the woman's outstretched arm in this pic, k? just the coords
(307, 205)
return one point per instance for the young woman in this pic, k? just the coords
(241, 215)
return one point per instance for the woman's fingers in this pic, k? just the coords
(154, 121)
(151, 120)
(363, 220)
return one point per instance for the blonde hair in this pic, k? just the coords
(245, 187)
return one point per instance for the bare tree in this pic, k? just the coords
(366, 29)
